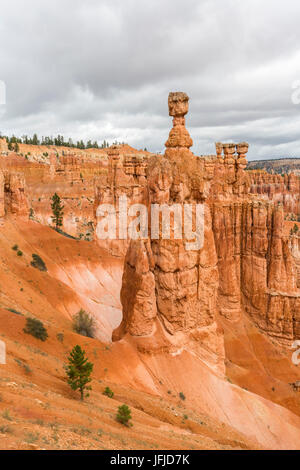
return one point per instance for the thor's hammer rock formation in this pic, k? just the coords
(173, 298)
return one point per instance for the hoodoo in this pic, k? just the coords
(246, 266)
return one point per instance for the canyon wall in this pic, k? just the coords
(75, 175)
(278, 188)
(248, 264)
(125, 176)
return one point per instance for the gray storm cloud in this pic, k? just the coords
(102, 70)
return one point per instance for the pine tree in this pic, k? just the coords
(124, 415)
(35, 140)
(79, 371)
(57, 209)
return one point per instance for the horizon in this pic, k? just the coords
(101, 144)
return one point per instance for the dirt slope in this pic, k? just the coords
(38, 409)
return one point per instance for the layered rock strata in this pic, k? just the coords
(169, 293)
(172, 297)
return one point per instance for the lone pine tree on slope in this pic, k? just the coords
(57, 210)
(79, 371)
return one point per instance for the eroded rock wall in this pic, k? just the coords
(75, 177)
(278, 188)
(169, 293)
(172, 297)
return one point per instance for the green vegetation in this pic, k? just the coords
(57, 210)
(38, 263)
(294, 230)
(79, 371)
(84, 324)
(59, 141)
(13, 144)
(124, 415)
(16, 248)
(108, 392)
(35, 328)
(25, 366)
(181, 396)
(12, 310)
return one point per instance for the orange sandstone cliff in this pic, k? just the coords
(246, 265)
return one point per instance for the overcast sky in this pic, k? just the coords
(102, 69)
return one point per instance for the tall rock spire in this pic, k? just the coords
(179, 138)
